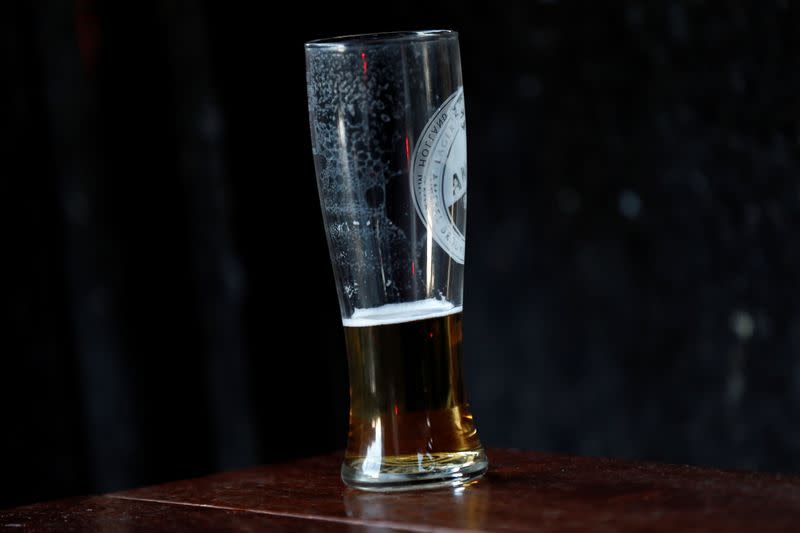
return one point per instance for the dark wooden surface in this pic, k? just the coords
(523, 491)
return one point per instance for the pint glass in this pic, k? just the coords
(390, 151)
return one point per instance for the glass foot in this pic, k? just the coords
(413, 472)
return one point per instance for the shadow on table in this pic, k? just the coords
(463, 507)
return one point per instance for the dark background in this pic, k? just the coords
(633, 262)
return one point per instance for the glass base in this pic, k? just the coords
(413, 472)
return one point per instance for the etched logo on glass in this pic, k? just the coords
(439, 175)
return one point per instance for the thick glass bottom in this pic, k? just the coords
(412, 472)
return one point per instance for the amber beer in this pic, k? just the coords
(407, 400)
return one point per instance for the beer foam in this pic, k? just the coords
(399, 313)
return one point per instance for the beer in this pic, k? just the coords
(408, 409)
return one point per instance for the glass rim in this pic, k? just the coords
(380, 38)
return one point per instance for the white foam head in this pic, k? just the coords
(399, 313)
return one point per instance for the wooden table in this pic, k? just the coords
(523, 491)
